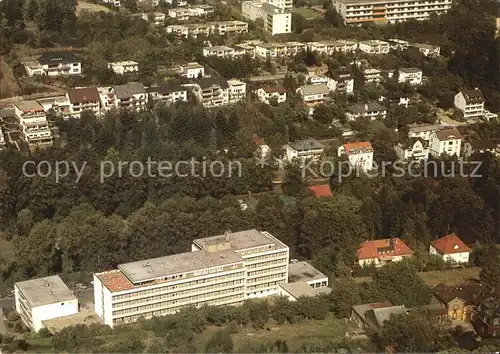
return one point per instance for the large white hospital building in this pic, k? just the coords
(219, 270)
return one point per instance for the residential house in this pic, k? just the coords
(321, 190)
(470, 103)
(445, 141)
(193, 70)
(414, 149)
(276, 20)
(343, 82)
(263, 150)
(123, 67)
(237, 90)
(487, 115)
(451, 248)
(371, 110)
(228, 27)
(220, 51)
(398, 44)
(244, 49)
(313, 79)
(107, 98)
(313, 94)
(428, 50)
(33, 122)
(180, 13)
(331, 47)
(373, 75)
(271, 93)
(181, 31)
(115, 3)
(195, 29)
(212, 92)
(458, 299)
(380, 252)
(487, 318)
(131, 96)
(374, 47)
(372, 316)
(478, 146)
(84, 99)
(412, 76)
(309, 149)
(423, 131)
(168, 93)
(55, 64)
(360, 154)
(157, 18)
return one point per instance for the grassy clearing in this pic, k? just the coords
(308, 14)
(296, 335)
(448, 277)
(87, 6)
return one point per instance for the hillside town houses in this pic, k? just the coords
(359, 154)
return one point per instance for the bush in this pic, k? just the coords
(44, 333)
(18, 328)
(13, 316)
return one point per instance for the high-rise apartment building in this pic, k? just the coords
(277, 20)
(219, 270)
(362, 11)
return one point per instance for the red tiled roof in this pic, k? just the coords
(450, 244)
(115, 281)
(86, 94)
(383, 248)
(321, 191)
(258, 140)
(381, 305)
(272, 89)
(350, 147)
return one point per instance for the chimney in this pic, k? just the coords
(366, 106)
(227, 236)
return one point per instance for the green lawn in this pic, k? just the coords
(308, 14)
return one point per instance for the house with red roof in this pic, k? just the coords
(360, 154)
(381, 252)
(321, 191)
(451, 248)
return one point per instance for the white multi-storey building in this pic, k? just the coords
(308, 149)
(58, 105)
(343, 82)
(470, 103)
(423, 131)
(330, 47)
(131, 96)
(193, 70)
(360, 154)
(278, 50)
(212, 92)
(412, 76)
(227, 27)
(219, 270)
(54, 64)
(356, 12)
(123, 67)
(374, 47)
(371, 110)
(42, 299)
(168, 93)
(84, 99)
(445, 141)
(276, 20)
(33, 121)
(220, 51)
(107, 98)
(428, 50)
(237, 90)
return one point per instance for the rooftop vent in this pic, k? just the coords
(50, 292)
(148, 264)
(210, 259)
(150, 271)
(47, 284)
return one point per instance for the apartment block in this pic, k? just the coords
(42, 299)
(108, 99)
(84, 99)
(33, 122)
(228, 27)
(282, 4)
(276, 20)
(180, 30)
(220, 51)
(212, 92)
(357, 12)
(219, 270)
(308, 149)
(277, 50)
(58, 105)
(371, 110)
(270, 93)
(470, 103)
(193, 70)
(445, 141)
(343, 82)
(54, 64)
(412, 76)
(131, 96)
